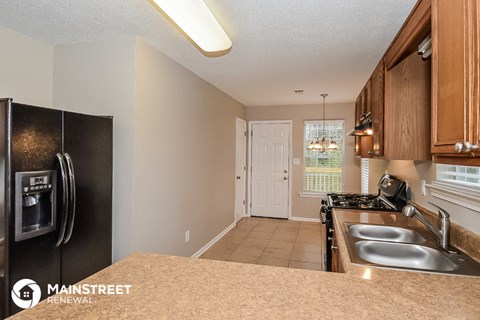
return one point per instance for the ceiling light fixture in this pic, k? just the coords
(195, 19)
(323, 145)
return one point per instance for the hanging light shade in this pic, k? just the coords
(323, 145)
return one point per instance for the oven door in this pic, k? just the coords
(326, 219)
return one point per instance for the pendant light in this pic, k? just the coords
(323, 145)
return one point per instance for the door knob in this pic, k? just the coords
(284, 171)
(285, 178)
(238, 177)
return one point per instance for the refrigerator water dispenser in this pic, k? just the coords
(35, 203)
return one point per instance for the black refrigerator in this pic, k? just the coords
(56, 197)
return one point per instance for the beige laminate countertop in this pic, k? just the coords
(169, 287)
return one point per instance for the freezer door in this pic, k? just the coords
(36, 136)
(88, 244)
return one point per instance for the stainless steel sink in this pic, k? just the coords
(403, 255)
(385, 233)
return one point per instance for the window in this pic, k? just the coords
(323, 172)
(468, 176)
(458, 184)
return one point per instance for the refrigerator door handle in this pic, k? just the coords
(63, 224)
(72, 196)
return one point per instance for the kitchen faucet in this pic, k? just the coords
(443, 234)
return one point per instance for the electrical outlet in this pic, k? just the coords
(187, 236)
(422, 186)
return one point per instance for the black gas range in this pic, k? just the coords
(391, 197)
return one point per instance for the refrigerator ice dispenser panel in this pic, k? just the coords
(35, 203)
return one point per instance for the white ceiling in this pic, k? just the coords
(319, 46)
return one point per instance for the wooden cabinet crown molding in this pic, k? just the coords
(415, 28)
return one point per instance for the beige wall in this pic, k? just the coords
(99, 78)
(26, 69)
(174, 136)
(184, 156)
(304, 207)
(413, 172)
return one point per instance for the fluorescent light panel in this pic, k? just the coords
(198, 22)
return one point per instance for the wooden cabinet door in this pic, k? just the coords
(475, 74)
(358, 110)
(377, 107)
(407, 110)
(450, 102)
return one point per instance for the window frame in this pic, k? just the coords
(463, 194)
(313, 194)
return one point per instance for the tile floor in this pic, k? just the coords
(273, 242)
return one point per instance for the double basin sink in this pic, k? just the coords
(402, 248)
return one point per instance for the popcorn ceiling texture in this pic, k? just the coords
(278, 46)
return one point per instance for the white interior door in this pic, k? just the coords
(270, 164)
(240, 169)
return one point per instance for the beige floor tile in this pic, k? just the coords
(281, 244)
(255, 243)
(276, 253)
(215, 255)
(247, 220)
(286, 231)
(309, 232)
(310, 225)
(305, 265)
(289, 223)
(260, 235)
(308, 246)
(221, 247)
(273, 262)
(228, 238)
(243, 259)
(247, 251)
(285, 237)
(269, 223)
(239, 233)
(244, 228)
(301, 256)
(309, 238)
(265, 229)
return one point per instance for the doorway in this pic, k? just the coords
(270, 166)
(240, 168)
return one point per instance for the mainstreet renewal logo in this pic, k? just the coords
(26, 293)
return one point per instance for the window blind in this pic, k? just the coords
(364, 175)
(469, 176)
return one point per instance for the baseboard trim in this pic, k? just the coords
(305, 219)
(213, 241)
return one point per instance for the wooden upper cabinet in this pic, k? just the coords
(407, 110)
(377, 85)
(455, 80)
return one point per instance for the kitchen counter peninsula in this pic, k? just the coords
(170, 287)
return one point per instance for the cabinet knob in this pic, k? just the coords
(465, 147)
(331, 230)
(329, 238)
(334, 247)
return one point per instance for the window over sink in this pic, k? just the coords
(323, 171)
(458, 184)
